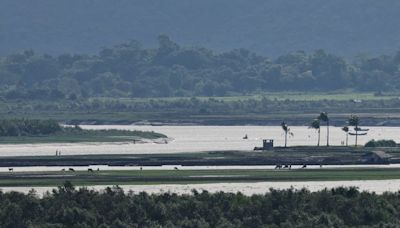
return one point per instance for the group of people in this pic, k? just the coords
(290, 166)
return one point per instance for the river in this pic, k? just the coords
(199, 138)
(205, 138)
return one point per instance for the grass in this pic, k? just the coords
(302, 107)
(333, 155)
(84, 178)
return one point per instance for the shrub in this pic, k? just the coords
(381, 143)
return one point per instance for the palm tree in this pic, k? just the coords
(354, 121)
(316, 124)
(286, 130)
(323, 116)
(346, 129)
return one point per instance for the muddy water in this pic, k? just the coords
(199, 138)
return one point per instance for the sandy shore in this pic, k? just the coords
(377, 186)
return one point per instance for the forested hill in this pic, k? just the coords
(267, 27)
(129, 70)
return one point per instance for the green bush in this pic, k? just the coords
(381, 143)
(71, 207)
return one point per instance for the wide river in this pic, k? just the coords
(205, 138)
(199, 138)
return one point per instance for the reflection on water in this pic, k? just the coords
(199, 138)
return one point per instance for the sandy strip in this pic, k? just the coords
(172, 167)
(377, 186)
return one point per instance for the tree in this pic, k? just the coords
(316, 124)
(354, 121)
(323, 116)
(346, 129)
(286, 130)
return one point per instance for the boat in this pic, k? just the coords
(361, 129)
(359, 134)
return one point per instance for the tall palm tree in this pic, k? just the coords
(323, 116)
(316, 124)
(354, 121)
(286, 130)
(346, 129)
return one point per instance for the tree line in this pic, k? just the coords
(130, 70)
(67, 206)
(38, 127)
(203, 106)
(353, 121)
(28, 127)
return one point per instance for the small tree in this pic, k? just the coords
(316, 124)
(286, 130)
(346, 129)
(355, 121)
(323, 116)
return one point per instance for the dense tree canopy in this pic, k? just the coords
(129, 70)
(26, 127)
(70, 207)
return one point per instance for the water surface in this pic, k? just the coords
(199, 138)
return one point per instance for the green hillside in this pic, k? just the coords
(268, 27)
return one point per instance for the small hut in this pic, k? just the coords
(267, 145)
(376, 157)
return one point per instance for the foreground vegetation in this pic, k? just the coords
(50, 131)
(70, 207)
(137, 177)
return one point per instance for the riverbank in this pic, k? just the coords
(263, 109)
(151, 177)
(245, 188)
(309, 155)
(85, 136)
(273, 119)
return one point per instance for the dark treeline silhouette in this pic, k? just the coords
(25, 127)
(36, 127)
(129, 70)
(70, 207)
